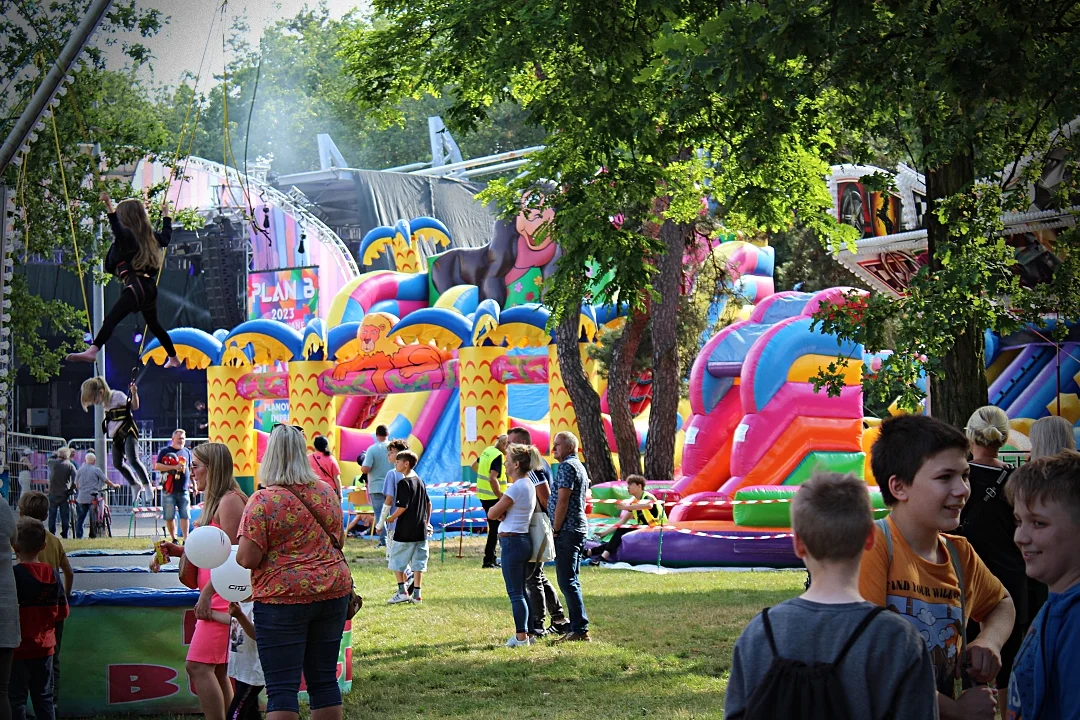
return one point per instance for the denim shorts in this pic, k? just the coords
(406, 554)
(301, 638)
(171, 503)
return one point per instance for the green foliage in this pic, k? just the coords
(101, 106)
(803, 261)
(960, 88)
(303, 91)
(189, 219)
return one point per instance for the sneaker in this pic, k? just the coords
(538, 634)
(559, 629)
(416, 600)
(398, 598)
(575, 637)
(491, 566)
(514, 642)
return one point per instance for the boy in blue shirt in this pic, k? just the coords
(1045, 495)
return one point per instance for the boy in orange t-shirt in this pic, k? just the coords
(921, 465)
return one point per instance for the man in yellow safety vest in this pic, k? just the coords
(490, 484)
(642, 505)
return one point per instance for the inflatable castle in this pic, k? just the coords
(451, 348)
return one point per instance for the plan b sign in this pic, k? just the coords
(290, 296)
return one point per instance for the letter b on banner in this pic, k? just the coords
(139, 683)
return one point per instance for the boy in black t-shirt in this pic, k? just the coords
(412, 511)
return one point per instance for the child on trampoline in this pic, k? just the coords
(135, 257)
(120, 426)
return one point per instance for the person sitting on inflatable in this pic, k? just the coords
(642, 506)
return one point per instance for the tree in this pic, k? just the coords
(100, 106)
(302, 91)
(805, 263)
(586, 76)
(963, 89)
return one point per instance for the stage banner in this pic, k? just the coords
(290, 296)
(123, 652)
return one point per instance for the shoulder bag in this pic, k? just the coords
(355, 601)
(543, 542)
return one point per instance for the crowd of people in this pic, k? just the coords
(966, 597)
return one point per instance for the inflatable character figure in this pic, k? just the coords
(380, 353)
(515, 249)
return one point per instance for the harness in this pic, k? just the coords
(126, 418)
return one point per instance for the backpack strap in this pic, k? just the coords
(768, 631)
(954, 556)
(883, 523)
(858, 631)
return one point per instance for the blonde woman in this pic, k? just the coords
(987, 522)
(120, 426)
(1050, 435)
(289, 539)
(514, 510)
(135, 257)
(208, 653)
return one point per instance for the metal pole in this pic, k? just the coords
(660, 548)
(442, 550)
(97, 291)
(461, 537)
(43, 96)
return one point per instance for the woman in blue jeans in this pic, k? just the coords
(515, 509)
(300, 582)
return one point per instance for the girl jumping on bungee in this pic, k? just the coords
(120, 425)
(135, 256)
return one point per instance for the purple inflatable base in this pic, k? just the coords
(681, 550)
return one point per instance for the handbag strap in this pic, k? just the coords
(992, 491)
(333, 539)
(326, 475)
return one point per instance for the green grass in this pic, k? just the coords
(662, 643)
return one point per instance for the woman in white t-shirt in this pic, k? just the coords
(120, 426)
(515, 509)
(244, 666)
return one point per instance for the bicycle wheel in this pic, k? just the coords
(108, 522)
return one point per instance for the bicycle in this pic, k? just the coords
(100, 516)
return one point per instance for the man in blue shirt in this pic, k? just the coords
(174, 483)
(375, 464)
(567, 509)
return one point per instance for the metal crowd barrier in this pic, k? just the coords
(31, 457)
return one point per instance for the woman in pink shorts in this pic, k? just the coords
(208, 653)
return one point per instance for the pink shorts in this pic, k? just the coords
(209, 643)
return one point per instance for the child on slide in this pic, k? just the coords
(135, 256)
(120, 426)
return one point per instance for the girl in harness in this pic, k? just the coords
(135, 256)
(120, 426)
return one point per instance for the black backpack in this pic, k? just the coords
(793, 690)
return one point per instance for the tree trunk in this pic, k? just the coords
(619, 376)
(961, 387)
(663, 417)
(585, 399)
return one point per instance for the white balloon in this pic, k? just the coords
(231, 581)
(207, 547)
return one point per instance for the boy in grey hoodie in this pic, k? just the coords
(887, 671)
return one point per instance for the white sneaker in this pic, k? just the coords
(398, 598)
(514, 642)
